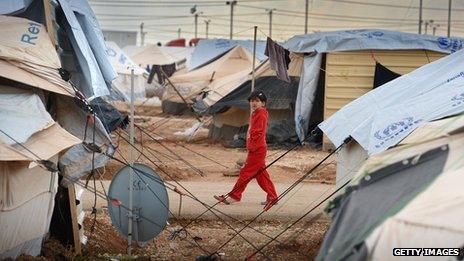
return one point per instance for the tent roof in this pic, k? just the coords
(208, 50)
(370, 39)
(235, 64)
(271, 85)
(45, 144)
(152, 54)
(26, 41)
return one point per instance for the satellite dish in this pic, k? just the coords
(149, 200)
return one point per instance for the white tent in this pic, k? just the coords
(209, 49)
(27, 191)
(351, 40)
(152, 54)
(123, 65)
(224, 72)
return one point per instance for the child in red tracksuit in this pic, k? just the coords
(257, 148)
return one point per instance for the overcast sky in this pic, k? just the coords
(162, 18)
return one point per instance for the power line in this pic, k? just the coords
(394, 6)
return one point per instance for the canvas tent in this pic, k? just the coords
(420, 208)
(152, 54)
(362, 48)
(231, 112)
(31, 89)
(386, 115)
(222, 74)
(207, 50)
(27, 190)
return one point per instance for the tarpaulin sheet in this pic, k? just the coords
(22, 114)
(352, 40)
(89, 46)
(384, 116)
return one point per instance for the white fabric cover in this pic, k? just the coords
(120, 61)
(384, 116)
(26, 213)
(13, 6)
(149, 55)
(433, 219)
(22, 114)
(351, 40)
(364, 39)
(207, 50)
(224, 72)
(123, 65)
(306, 93)
(88, 50)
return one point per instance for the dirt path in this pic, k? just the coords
(292, 206)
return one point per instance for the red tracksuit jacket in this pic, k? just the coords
(256, 138)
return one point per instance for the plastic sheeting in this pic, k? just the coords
(352, 40)
(14, 6)
(208, 50)
(22, 113)
(306, 93)
(89, 46)
(123, 65)
(375, 39)
(384, 116)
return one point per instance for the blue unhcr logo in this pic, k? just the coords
(369, 35)
(458, 100)
(395, 129)
(374, 34)
(110, 52)
(221, 43)
(449, 44)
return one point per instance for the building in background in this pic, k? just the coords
(121, 38)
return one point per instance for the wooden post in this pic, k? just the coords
(254, 59)
(73, 212)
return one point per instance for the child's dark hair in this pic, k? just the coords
(258, 95)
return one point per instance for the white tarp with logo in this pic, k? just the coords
(384, 116)
(123, 65)
(207, 50)
(352, 40)
(87, 41)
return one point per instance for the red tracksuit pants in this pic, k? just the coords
(255, 161)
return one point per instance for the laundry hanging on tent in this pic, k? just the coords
(383, 75)
(279, 59)
(168, 69)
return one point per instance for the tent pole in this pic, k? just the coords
(131, 172)
(254, 59)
